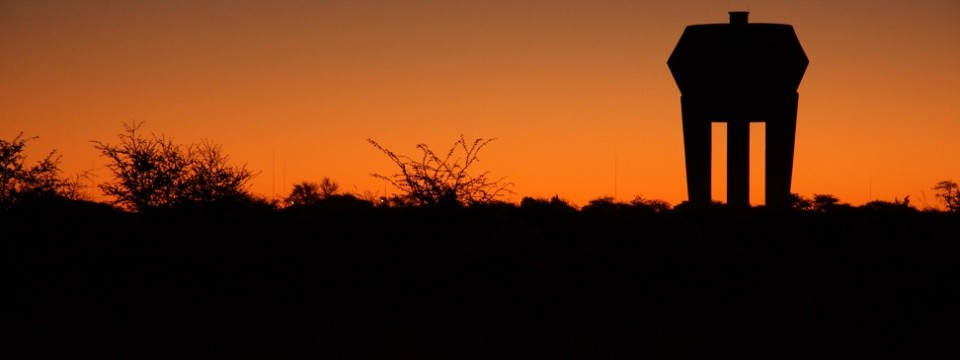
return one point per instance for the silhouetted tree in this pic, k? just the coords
(603, 205)
(436, 180)
(639, 205)
(20, 182)
(328, 187)
(798, 202)
(158, 173)
(304, 193)
(311, 193)
(949, 193)
(655, 205)
(209, 178)
(689, 207)
(897, 206)
(825, 202)
(553, 205)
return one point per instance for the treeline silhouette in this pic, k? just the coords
(335, 275)
(542, 279)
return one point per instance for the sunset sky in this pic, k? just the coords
(577, 93)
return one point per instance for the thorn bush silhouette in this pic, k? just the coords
(20, 182)
(436, 180)
(155, 172)
(309, 193)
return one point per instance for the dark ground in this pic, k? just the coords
(82, 281)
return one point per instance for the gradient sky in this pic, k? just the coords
(577, 93)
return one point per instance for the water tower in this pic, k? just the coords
(739, 73)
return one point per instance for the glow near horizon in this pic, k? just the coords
(577, 93)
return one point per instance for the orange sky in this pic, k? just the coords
(577, 93)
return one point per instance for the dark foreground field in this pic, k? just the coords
(492, 283)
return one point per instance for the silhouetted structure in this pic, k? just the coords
(739, 73)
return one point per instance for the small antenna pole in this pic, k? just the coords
(273, 175)
(615, 173)
(93, 179)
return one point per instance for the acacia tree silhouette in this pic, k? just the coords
(436, 180)
(949, 193)
(19, 181)
(819, 203)
(800, 203)
(610, 204)
(311, 193)
(158, 173)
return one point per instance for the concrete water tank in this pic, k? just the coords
(738, 73)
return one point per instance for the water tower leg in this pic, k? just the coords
(696, 147)
(738, 163)
(781, 138)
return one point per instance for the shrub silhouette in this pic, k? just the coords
(826, 202)
(639, 205)
(798, 202)
(547, 209)
(436, 180)
(310, 193)
(653, 205)
(20, 182)
(603, 204)
(158, 173)
(819, 203)
(304, 193)
(897, 206)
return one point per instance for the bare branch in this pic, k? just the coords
(443, 181)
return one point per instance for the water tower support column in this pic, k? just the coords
(738, 163)
(697, 144)
(781, 135)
